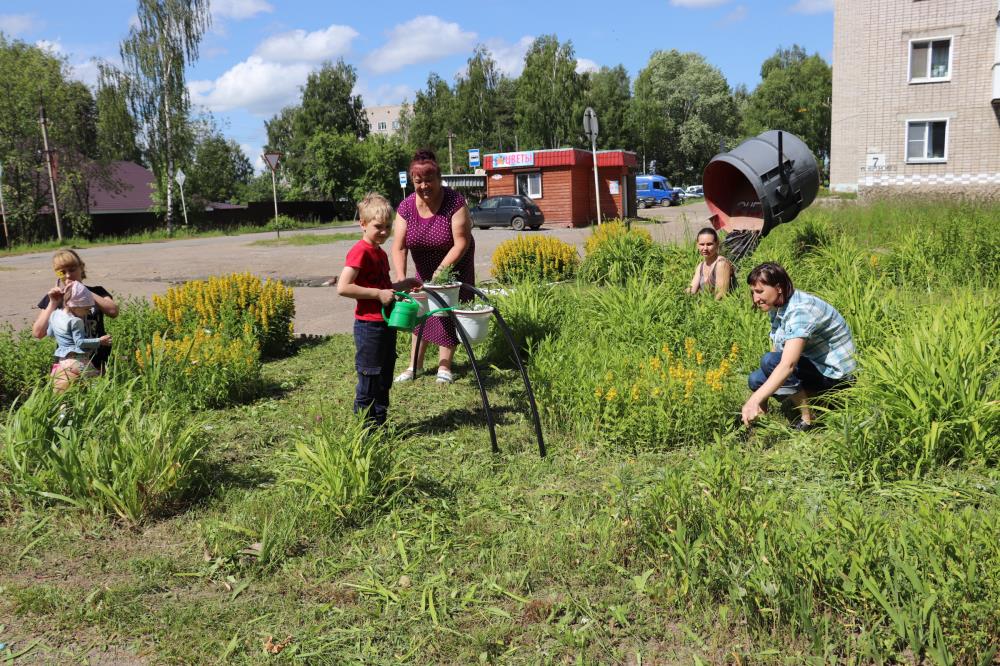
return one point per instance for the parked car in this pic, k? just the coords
(656, 188)
(694, 191)
(508, 210)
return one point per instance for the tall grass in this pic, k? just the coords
(928, 396)
(24, 363)
(346, 466)
(101, 447)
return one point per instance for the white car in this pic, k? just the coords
(693, 191)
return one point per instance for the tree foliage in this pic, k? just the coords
(219, 170)
(117, 130)
(432, 115)
(794, 95)
(684, 112)
(549, 95)
(608, 91)
(160, 44)
(30, 77)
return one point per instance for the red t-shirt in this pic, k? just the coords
(372, 264)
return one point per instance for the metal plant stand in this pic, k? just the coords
(502, 325)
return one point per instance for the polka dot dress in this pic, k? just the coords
(429, 239)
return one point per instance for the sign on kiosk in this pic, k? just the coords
(473, 157)
(507, 160)
(402, 179)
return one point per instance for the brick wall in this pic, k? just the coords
(873, 98)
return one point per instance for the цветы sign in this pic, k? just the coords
(501, 160)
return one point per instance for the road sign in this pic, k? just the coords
(180, 177)
(590, 124)
(473, 157)
(402, 179)
(271, 159)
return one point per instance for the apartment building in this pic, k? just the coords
(384, 119)
(916, 97)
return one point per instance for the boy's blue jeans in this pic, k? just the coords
(375, 361)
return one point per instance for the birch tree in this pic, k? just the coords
(161, 43)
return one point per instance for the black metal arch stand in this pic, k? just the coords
(502, 325)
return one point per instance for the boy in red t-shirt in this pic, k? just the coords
(366, 278)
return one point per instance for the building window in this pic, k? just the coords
(530, 184)
(930, 60)
(395, 124)
(926, 141)
(381, 125)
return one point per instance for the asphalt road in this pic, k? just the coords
(142, 270)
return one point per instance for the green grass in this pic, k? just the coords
(307, 239)
(158, 236)
(768, 547)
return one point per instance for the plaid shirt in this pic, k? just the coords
(829, 344)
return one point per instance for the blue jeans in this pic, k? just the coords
(375, 361)
(805, 377)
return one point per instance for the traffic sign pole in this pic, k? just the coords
(402, 182)
(590, 127)
(180, 178)
(271, 160)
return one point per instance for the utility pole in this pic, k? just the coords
(48, 163)
(3, 211)
(451, 164)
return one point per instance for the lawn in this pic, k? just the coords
(655, 531)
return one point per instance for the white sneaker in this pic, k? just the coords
(405, 376)
(444, 376)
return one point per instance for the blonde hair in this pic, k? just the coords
(65, 258)
(375, 208)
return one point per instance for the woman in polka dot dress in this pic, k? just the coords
(433, 224)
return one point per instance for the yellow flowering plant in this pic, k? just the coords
(534, 258)
(239, 305)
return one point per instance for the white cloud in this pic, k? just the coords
(422, 39)
(302, 46)
(255, 85)
(86, 71)
(239, 9)
(52, 46)
(383, 95)
(510, 57)
(697, 4)
(812, 6)
(16, 24)
(586, 65)
(738, 14)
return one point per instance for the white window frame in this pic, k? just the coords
(926, 122)
(395, 124)
(530, 194)
(930, 58)
(381, 126)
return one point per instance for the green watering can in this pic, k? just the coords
(405, 315)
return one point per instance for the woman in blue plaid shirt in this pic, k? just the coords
(812, 350)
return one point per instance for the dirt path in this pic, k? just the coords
(150, 268)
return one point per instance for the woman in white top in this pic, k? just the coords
(714, 271)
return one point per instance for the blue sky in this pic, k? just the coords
(260, 51)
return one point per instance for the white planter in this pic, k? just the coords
(475, 323)
(421, 298)
(448, 294)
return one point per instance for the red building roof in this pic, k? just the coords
(128, 188)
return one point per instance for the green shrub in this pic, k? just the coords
(600, 234)
(102, 447)
(531, 311)
(24, 362)
(134, 327)
(347, 467)
(535, 259)
(201, 370)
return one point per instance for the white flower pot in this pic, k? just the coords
(447, 292)
(475, 323)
